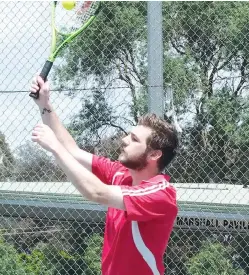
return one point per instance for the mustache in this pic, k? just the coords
(122, 145)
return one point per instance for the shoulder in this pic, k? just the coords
(157, 186)
(104, 161)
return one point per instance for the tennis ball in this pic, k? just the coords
(68, 5)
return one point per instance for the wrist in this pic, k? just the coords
(45, 108)
(57, 149)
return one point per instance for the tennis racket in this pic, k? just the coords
(68, 21)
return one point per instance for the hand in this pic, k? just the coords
(38, 84)
(46, 138)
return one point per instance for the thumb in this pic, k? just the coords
(44, 85)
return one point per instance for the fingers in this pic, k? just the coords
(35, 138)
(40, 128)
(40, 81)
(36, 135)
(37, 132)
(38, 84)
(45, 137)
(34, 88)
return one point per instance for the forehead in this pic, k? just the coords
(141, 132)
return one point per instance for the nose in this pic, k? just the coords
(125, 141)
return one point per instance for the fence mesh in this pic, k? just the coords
(99, 89)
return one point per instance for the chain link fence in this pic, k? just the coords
(99, 89)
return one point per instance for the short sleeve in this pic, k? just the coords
(104, 168)
(150, 201)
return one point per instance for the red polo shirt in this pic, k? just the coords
(136, 239)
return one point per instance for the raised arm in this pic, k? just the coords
(50, 118)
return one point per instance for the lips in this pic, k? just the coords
(122, 151)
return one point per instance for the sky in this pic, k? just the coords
(24, 47)
(25, 36)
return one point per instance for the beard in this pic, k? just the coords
(137, 163)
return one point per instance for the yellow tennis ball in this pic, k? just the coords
(68, 5)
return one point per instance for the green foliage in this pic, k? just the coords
(241, 246)
(112, 50)
(47, 259)
(36, 263)
(95, 115)
(208, 44)
(98, 48)
(92, 255)
(205, 59)
(9, 263)
(213, 258)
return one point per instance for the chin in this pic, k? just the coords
(121, 159)
(121, 156)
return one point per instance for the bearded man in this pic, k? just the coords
(141, 202)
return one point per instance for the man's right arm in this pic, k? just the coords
(50, 118)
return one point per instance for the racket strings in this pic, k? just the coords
(68, 21)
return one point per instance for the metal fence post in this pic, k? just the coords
(155, 58)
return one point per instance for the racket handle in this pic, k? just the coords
(46, 69)
(44, 73)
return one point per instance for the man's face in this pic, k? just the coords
(134, 152)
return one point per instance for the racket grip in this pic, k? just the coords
(43, 74)
(46, 69)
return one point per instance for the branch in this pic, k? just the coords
(242, 80)
(142, 81)
(176, 48)
(115, 126)
(227, 61)
(133, 94)
(211, 78)
(129, 121)
(128, 55)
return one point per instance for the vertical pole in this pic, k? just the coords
(155, 58)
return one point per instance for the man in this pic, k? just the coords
(141, 203)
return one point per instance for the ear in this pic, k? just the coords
(155, 154)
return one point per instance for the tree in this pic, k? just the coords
(210, 40)
(36, 264)
(119, 60)
(6, 159)
(94, 119)
(240, 243)
(206, 61)
(33, 164)
(56, 257)
(92, 255)
(9, 261)
(213, 258)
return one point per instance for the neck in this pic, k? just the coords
(145, 174)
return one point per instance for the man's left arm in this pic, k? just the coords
(87, 183)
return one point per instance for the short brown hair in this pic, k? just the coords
(164, 137)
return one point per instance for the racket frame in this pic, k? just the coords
(54, 51)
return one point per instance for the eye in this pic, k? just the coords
(133, 138)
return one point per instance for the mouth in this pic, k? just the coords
(122, 151)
